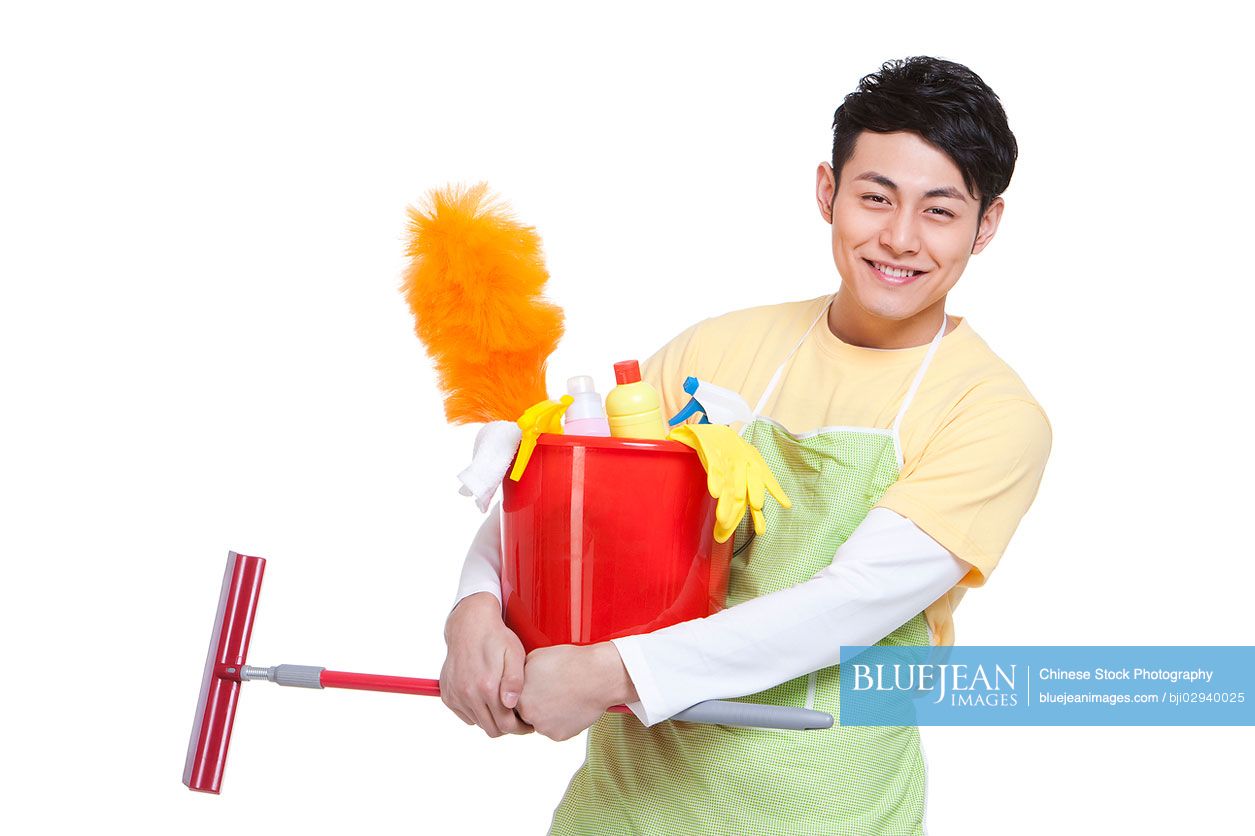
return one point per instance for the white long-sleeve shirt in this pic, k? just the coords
(887, 572)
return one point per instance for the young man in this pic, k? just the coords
(910, 452)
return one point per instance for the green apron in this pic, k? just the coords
(686, 778)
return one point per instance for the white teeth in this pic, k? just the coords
(894, 272)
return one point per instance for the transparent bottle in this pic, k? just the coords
(586, 416)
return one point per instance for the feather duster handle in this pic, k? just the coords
(474, 283)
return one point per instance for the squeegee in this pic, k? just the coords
(226, 671)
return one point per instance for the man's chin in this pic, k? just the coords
(889, 311)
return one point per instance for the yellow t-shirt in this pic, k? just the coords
(974, 441)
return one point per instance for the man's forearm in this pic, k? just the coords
(744, 649)
(481, 570)
(887, 572)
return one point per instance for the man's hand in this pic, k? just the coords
(482, 675)
(569, 686)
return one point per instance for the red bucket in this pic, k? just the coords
(608, 537)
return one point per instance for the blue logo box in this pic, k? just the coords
(1047, 686)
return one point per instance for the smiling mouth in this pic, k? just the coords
(893, 276)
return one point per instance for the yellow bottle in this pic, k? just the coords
(633, 408)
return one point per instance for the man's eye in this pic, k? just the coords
(874, 197)
(944, 212)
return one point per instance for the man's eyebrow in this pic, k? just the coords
(882, 180)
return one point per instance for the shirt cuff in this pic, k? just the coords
(648, 708)
(980, 564)
(468, 591)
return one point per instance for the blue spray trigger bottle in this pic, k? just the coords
(716, 404)
(692, 407)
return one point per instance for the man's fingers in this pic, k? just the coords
(512, 675)
(508, 721)
(446, 696)
(507, 697)
(485, 720)
(523, 727)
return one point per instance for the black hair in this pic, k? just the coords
(947, 104)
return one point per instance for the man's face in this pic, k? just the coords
(901, 203)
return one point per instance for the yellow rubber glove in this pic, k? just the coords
(736, 475)
(544, 417)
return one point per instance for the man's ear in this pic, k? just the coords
(825, 190)
(988, 225)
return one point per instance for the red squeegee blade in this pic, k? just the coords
(220, 686)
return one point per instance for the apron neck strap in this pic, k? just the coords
(775, 378)
(910, 394)
(919, 375)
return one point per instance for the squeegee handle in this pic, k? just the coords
(755, 715)
(723, 712)
(375, 682)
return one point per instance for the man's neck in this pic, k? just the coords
(854, 326)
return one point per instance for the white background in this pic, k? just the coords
(204, 349)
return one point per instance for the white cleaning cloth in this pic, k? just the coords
(722, 406)
(495, 446)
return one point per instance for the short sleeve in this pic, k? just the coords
(670, 365)
(975, 479)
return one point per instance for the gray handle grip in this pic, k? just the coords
(755, 715)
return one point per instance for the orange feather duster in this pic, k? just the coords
(474, 284)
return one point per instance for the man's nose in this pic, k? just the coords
(900, 233)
